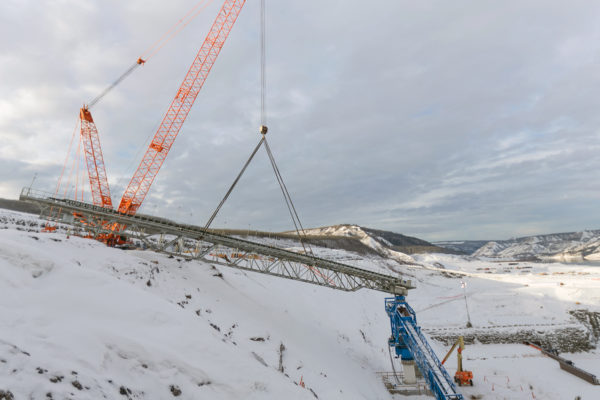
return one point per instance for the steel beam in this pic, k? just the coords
(194, 242)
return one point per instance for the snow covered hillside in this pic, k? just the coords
(83, 321)
(385, 243)
(558, 246)
(462, 246)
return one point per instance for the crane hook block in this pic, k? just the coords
(140, 61)
(263, 129)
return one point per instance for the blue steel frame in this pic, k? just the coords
(407, 347)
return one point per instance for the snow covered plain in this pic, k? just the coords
(83, 321)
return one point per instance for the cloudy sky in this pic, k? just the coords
(438, 119)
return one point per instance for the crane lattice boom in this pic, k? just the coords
(94, 160)
(180, 107)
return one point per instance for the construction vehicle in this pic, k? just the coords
(461, 376)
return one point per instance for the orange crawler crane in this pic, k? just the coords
(167, 132)
(170, 126)
(461, 377)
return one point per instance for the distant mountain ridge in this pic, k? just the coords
(584, 245)
(391, 244)
(467, 247)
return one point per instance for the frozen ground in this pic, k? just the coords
(83, 321)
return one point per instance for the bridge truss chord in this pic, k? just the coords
(193, 242)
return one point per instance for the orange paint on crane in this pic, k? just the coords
(180, 107)
(94, 160)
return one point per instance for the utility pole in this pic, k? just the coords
(463, 284)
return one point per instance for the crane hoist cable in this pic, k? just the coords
(263, 131)
(175, 29)
(263, 117)
(110, 87)
(48, 226)
(62, 171)
(155, 48)
(263, 71)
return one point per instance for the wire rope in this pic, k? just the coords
(214, 214)
(263, 72)
(66, 159)
(263, 130)
(288, 199)
(155, 48)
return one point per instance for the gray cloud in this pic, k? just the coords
(468, 119)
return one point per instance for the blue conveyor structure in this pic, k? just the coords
(410, 344)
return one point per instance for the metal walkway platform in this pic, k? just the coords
(194, 242)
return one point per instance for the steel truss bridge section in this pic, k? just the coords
(193, 242)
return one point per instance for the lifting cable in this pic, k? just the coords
(152, 50)
(62, 172)
(214, 214)
(263, 130)
(263, 74)
(175, 29)
(115, 83)
(77, 170)
(288, 201)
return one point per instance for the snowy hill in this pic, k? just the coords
(559, 246)
(462, 246)
(385, 243)
(83, 321)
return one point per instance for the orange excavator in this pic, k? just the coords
(462, 377)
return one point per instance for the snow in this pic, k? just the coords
(365, 238)
(146, 325)
(572, 246)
